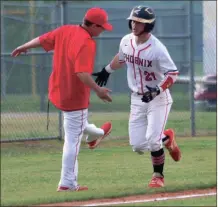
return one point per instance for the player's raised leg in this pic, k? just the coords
(171, 145)
(95, 135)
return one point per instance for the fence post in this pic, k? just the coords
(191, 70)
(63, 12)
(41, 74)
(3, 68)
(32, 34)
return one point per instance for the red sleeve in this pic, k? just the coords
(169, 80)
(47, 40)
(86, 58)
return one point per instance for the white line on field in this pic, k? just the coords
(150, 200)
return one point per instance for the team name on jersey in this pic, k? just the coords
(137, 60)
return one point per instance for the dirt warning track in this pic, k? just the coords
(140, 198)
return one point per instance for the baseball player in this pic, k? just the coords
(69, 86)
(150, 72)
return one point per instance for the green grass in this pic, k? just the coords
(201, 201)
(26, 125)
(28, 103)
(22, 113)
(30, 171)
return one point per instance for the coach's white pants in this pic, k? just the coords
(147, 122)
(75, 123)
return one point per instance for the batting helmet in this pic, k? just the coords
(143, 14)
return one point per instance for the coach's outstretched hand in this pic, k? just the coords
(16, 52)
(103, 94)
(150, 94)
(102, 77)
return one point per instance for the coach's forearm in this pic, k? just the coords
(87, 80)
(114, 64)
(32, 44)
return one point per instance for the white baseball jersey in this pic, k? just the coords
(147, 64)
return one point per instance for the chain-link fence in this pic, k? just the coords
(24, 79)
(206, 85)
(209, 37)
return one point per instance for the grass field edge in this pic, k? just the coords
(105, 199)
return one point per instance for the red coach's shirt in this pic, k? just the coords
(74, 52)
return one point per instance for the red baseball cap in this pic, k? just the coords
(98, 16)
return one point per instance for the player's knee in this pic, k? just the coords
(155, 146)
(138, 149)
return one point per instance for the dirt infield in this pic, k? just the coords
(138, 198)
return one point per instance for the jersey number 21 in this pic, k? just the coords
(149, 76)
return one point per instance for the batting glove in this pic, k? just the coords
(102, 77)
(150, 94)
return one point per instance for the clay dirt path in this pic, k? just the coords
(130, 199)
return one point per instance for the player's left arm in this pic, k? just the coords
(116, 63)
(168, 68)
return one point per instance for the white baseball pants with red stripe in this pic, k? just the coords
(147, 122)
(75, 123)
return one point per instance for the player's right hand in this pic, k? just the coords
(18, 51)
(102, 77)
(103, 94)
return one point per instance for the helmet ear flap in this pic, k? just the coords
(130, 24)
(149, 27)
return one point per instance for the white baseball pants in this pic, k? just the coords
(147, 122)
(75, 124)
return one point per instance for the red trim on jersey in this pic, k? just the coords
(133, 60)
(173, 73)
(144, 49)
(77, 145)
(167, 83)
(139, 68)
